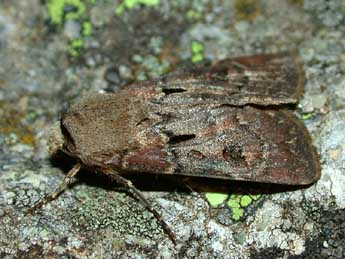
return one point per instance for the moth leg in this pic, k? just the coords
(62, 187)
(137, 194)
(185, 181)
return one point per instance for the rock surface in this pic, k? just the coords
(53, 53)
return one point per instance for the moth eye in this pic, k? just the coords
(168, 91)
(175, 139)
(233, 153)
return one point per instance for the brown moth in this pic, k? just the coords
(223, 121)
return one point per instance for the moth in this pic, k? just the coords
(228, 120)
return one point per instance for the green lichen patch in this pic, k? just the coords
(239, 203)
(131, 4)
(62, 10)
(307, 116)
(194, 15)
(236, 203)
(115, 211)
(57, 10)
(87, 28)
(197, 52)
(75, 47)
(216, 199)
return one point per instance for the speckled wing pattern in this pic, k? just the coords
(223, 121)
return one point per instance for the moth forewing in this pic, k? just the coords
(261, 80)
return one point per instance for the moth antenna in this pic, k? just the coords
(62, 187)
(137, 194)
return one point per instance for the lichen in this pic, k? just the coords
(307, 116)
(197, 52)
(150, 66)
(216, 199)
(56, 9)
(87, 28)
(238, 203)
(131, 4)
(78, 9)
(235, 202)
(75, 47)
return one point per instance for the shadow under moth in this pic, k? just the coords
(225, 121)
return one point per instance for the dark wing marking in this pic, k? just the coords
(236, 143)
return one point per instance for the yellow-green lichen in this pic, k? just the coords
(75, 47)
(238, 203)
(245, 200)
(234, 204)
(56, 9)
(197, 52)
(87, 28)
(61, 10)
(130, 4)
(255, 197)
(194, 15)
(215, 199)
(307, 116)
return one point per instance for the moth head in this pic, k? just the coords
(56, 139)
